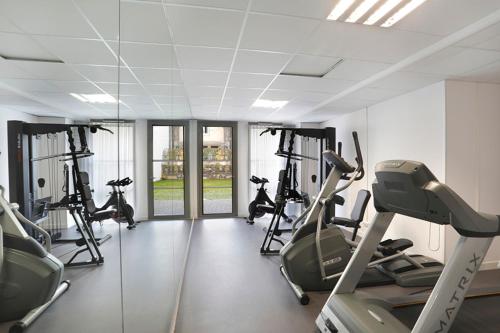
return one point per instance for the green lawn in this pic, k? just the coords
(173, 189)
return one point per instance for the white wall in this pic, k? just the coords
(6, 115)
(472, 153)
(410, 126)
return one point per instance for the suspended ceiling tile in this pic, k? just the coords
(105, 73)
(143, 22)
(166, 99)
(276, 33)
(80, 51)
(310, 84)
(7, 26)
(318, 9)
(204, 58)
(454, 61)
(240, 93)
(204, 78)
(166, 89)
(249, 80)
(222, 4)
(148, 55)
(374, 94)
(104, 16)
(30, 85)
(125, 88)
(204, 91)
(356, 70)
(48, 71)
(77, 87)
(48, 17)
(280, 94)
(489, 73)
(260, 62)
(10, 70)
(158, 75)
(22, 46)
(204, 27)
(446, 16)
(369, 43)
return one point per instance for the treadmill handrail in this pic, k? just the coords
(358, 174)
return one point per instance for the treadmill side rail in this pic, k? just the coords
(452, 286)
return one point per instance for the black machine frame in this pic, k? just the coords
(286, 190)
(22, 184)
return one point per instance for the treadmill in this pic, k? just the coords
(409, 188)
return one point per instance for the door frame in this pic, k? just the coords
(234, 126)
(187, 203)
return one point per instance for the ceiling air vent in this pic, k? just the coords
(52, 61)
(311, 66)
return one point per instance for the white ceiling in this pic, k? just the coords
(211, 59)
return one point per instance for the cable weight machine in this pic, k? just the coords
(77, 197)
(287, 186)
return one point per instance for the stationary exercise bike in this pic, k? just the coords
(262, 204)
(30, 277)
(124, 213)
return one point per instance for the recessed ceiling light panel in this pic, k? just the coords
(95, 98)
(340, 9)
(400, 14)
(269, 104)
(384, 13)
(361, 10)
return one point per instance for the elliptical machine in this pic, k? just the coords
(30, 277)
(319, 251)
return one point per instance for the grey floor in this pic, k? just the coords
(228, 286)
(153, 257)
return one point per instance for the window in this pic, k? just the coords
(263, 162)
(104, 145)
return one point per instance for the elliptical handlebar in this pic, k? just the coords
(360, 171)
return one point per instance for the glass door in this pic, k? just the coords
(217, 142)
(168, 184)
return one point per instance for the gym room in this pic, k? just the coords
(181, 166)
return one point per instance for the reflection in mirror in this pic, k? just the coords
(61, 253)
(153, 152)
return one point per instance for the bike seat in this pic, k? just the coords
(393, 246)
(264, 180)
(255, 180)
